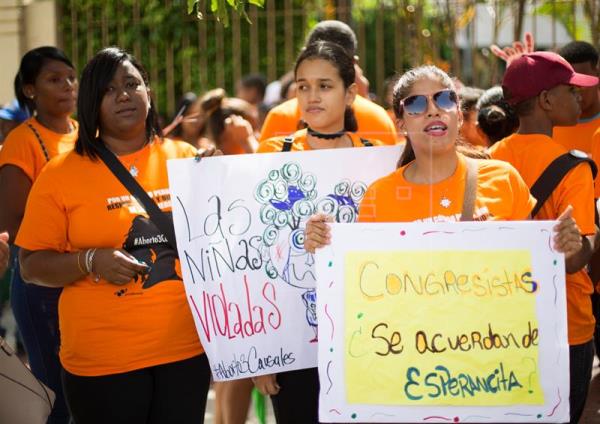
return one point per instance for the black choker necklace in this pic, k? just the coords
(329, 136)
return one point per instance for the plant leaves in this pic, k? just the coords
(190, 6)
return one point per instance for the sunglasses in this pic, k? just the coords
(417, 105)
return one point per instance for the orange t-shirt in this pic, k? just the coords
(531, 154)
(300, 143)
(373, 121)
(23, 149)
(501, 195)
(596, 158)
(76, 204)
(579, 136)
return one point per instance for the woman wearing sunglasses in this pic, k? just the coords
(430, 182)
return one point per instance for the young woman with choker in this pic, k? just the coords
(324, 75)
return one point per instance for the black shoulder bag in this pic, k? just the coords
(158, 217)
(554, 174)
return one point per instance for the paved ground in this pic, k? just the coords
(591, 415)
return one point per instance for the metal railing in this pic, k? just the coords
(184, 54)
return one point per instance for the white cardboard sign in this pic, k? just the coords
(239, 222)
(442, 323)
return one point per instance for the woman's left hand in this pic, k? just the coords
(206, 152)
(567, 237)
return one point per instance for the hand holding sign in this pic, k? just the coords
(318, 233)
(567, 239)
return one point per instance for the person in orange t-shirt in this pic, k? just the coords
(596, 295)
(429, 184)
(46, 84)
(583, 57)
(129, 347)
(326, 88)
(373, 122)
(543, 89)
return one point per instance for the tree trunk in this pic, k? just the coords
(450, 23)
(519, 17)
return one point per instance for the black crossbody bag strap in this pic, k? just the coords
(553, 175)
(158, 217)
(39, 139)
(366, 143)
(287, 144)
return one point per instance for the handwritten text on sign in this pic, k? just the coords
(465, 332)
(240, 236)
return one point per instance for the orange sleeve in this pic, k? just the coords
(45, 225)
(578, 191)
(277, 124)
(17, 150)
(522, 200)
(269, 146)
(596, 159)
(499, 151)
(382, 126)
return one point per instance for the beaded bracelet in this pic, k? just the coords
(89, 260)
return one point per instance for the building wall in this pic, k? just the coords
(24, 25)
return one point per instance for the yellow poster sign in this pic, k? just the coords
(441, 328)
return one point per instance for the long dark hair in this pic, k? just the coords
(342, 61)
(31, 65)
(95, 78)
(402, 90)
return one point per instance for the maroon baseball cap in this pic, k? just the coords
(532, 73)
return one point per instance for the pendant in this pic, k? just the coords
(445, 202)
(133, 171)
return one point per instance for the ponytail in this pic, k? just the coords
(350, 123)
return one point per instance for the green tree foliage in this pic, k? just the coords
(219, 8)
(180, 52)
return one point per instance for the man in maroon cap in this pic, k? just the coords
(544, 90)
